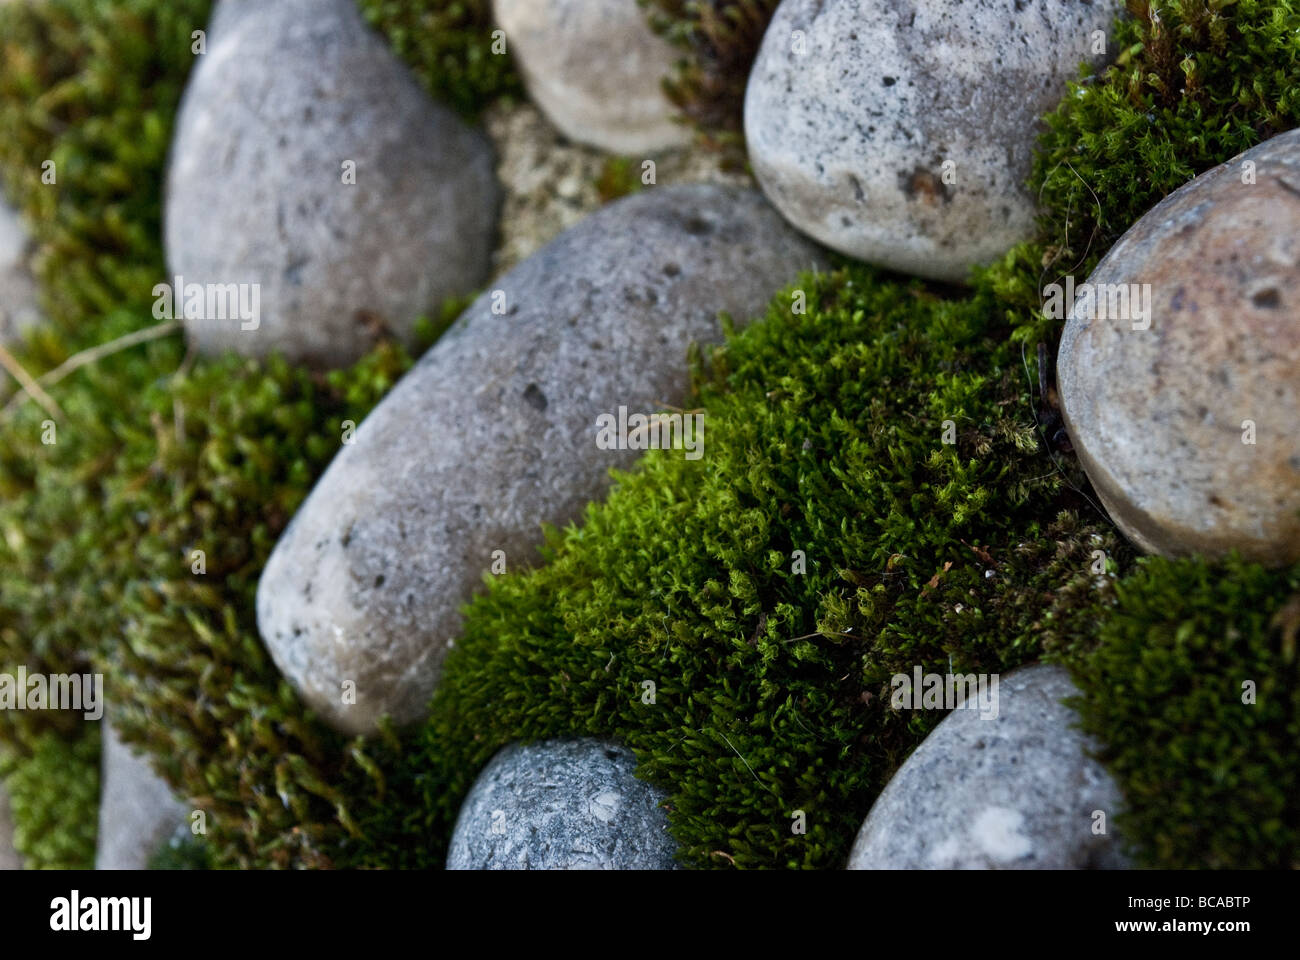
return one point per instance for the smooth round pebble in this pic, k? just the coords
(1013, 791)
(596, 69)
(309, 167)
(562, 805)
(1183, 405)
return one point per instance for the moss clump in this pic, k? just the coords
(824, 446)
(92, 85)
(54, 798)
(619, 177)
(1194, 84)
(136, 541)
(182, 852)
(448, 45)
(1210, 780)
(719, 40)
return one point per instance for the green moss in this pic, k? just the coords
(448, 44)
(149, 469)
(824, 434)
(182, 852)
(1210, 780)
(619, 177)
(92, 85)
(718, 40)
(53, 796)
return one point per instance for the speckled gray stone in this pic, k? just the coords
(1157, 409)
(137, 810)
(19, 309)
(1016, 792)
(596, 69)
(287, 93)
(494, 433)
(9, 857)
(849, 139)
(562, 805)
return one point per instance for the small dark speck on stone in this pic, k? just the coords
(671, 269)
(697, 226)
(1268, 299)
(534, 397)
(888, 81)
(611, 754)
(921, 184)
(379, 581)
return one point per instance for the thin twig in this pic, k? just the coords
(742, 759)
(183, 371)
(79, 360)
(29, 387)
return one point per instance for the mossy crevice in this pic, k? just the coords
(449, 46)
(718, 41)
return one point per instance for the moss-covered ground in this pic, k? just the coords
(829, 537)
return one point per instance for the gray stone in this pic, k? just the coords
(19, 309)
(9, 857)
(1015, 792)
(225, 12)
(562, 805)
(493, 433)
(849, 139)
(137, 810)
(1185, 418)
(289, 92)
(596, 69)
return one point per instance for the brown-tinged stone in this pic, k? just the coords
(901, 132)
(1162, 416)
